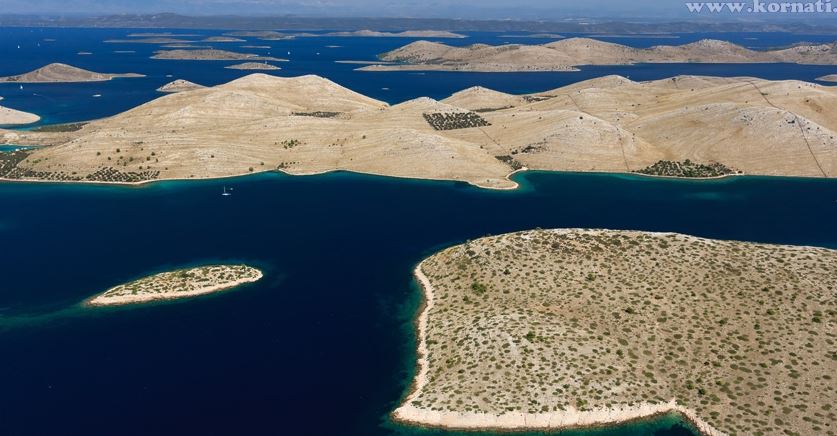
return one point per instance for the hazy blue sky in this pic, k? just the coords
(519, 9)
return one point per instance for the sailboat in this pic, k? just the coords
(225, 193)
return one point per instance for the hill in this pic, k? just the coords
(568, 53)
(63, 73)
(179, 85)
(688, 126)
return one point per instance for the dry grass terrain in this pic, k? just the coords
(63, 73)
(610, 124)
(178, 284)
(527, 329)
(564, 55)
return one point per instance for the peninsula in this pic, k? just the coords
(253, 66)
(177, 284)
(63, 73)
(210, 55)
(551, 329)
(685, 126)
(567, 54)
(828, 78)
(11, 117)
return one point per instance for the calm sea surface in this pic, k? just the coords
(324, 343)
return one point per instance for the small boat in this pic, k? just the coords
(97, 95)
(225, 193)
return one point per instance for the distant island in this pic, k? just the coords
(567, 54)
(266, 35)
(63, 73)
(210, 55)
(404, 34)
(270, 35)
(161, 35)
(11, 117)
(178, 284)
(550, 329)
(684, 126)
(297, 23)
(222, 39)
(253, 66)
(153, 40)
(828, 78)
(535, 35)
(179, 85)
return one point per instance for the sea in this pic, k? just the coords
(325, 343)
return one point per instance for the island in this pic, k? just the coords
(828, 78)
(157, 40)
(405, 34)
(63, 73)
(567, 54)
(719, 125)
(182, 283)
(210, 55)
(179, 85)
(253, 66)
(222, 39)
(161, 35)
(534, 35)
(11, 117)
(266, 35)
(549, 329)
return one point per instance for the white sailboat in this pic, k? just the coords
(225, 193)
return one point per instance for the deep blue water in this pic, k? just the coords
(324, 344)
(57, 103)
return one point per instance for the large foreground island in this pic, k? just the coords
(178, 284)
(682, 126)
(560, 328)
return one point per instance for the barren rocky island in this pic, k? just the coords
(686, 126)
(550, 329)
(178, 284)
(63, 73)
(567, 54)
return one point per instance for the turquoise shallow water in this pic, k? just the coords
(324, 344)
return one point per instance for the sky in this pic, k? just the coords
(467, 9)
